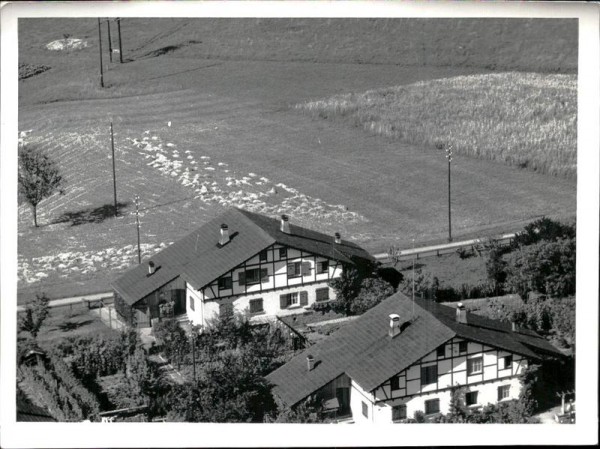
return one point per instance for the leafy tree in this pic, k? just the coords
(35, 314)
(307, 411)
(424, 288)
(347, 288)
(543, 229)
(545, 267)
(39, 177)
(372, 292)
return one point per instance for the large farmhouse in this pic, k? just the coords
(403, 356)
(239, 262)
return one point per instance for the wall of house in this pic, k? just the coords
(358, 397)
(272, 285)
(487, 393)
(452, 370)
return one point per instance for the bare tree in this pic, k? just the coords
(39, 177)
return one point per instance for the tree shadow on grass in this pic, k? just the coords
(71, 326)
(90, 215)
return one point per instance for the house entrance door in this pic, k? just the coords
(179, 299)
(343, 397)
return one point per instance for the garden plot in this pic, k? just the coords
(82, 262)
(215, 183)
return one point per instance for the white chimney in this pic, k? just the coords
(338, 238)
(224, 234)
(150, 267)
(285, 224)
(394, 325)
(310, 362)
(461, 313)
(514, 326)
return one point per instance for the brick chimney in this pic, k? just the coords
(310, 362)
(394, 325)
(285, 224)
(461, 313)
(224, 238)
(337, 238)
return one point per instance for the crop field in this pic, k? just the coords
(527, 120)
(195, 134)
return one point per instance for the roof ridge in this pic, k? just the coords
(244, 213)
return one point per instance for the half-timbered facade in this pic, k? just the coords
(400, 357)
(241, 263)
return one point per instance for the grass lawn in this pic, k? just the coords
(234, 141)
(450, 269)
(63, 322)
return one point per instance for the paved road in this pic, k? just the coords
(444, 248)
(73, 300)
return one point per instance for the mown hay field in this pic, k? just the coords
(527, 120)
(233, 140)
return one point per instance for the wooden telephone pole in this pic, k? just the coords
(110, 49)
(137, 220)
(100, 44)
(112, 146)
(449, 157)
(119, 33)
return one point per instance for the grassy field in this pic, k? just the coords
(69, 321)
(526, 120)
(234, 140)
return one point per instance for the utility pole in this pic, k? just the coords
(449, 157)
(137, 220)
(100, 44)
(413, 280)
(120, 47)
(112, 146)
(110, 49)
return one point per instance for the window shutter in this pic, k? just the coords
(305, 268)
(283, 302)
(242, 278)
(264, 273)
(303, 298)
(291, 271)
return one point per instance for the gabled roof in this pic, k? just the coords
(364, 351)
(199, 260)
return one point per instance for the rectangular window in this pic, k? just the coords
(322, 294)
(475, 366)
(462, 347)
(254, 276)
(395, 383)
(365, 409)
(323, 267)
(289, 299)
(225, 283)
(256, 305)
(503, 392)
(399, 412)
(471, 398)
(192, 303)
(282, 253)
(263, 256)
(294, 269)
(440, 351)
(429, 375)
(225, 310)
(432, 406)
(507, 362)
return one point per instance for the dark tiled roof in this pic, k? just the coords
(364, 351)
(199, 260)
(28, 412)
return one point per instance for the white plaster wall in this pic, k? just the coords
(357, 397)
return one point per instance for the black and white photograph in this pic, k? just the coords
(278, 217)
